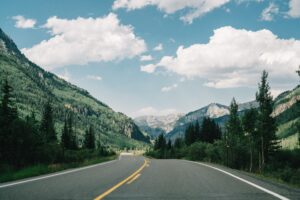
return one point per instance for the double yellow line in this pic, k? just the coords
(132, 176)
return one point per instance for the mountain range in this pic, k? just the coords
(33, 87)
(286, 112)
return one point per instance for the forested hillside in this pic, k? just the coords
(287, 114)
(33, 87)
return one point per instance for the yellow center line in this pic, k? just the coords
(134, 178)
(122, 182)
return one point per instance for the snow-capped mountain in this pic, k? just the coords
(155, 125)
(166, 122)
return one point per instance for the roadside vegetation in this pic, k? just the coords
(248, 142)
(29, 147)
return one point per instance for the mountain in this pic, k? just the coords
(216, 111)
(286, 112)
(156, 125)
(33, 87)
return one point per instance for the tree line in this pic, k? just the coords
(247, 141)
(28, 141)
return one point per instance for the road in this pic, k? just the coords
(135, 177)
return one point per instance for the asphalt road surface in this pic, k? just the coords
(135, 177)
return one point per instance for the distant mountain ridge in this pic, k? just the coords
(156, 125)
(33, 87)
(286, 112)
(153, 126)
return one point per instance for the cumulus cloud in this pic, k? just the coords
(146, 58)
(159, 47)
(195, 8)
(93, 77)
(169, 88)
(153, 111)
(22, 22)
(235, 58)
(269, 12)
(294, 8)
(83, 40)
(148, 68)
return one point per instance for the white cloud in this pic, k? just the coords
(269, 12)
(169, 88)
(294, 6)
(195, 8)
(96, 78)
(83, 40)
(146, 58)
(159, 47)
(153, 111)
(235, 58)
(22, 22)
(148, 68)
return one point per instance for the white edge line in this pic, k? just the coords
(55, 174)
(243, 180)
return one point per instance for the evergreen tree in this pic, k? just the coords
(65, 137)
(89, 139)
(197, 132)
(8, 111)
(235, 138)
(266, 125)
(210, 131)
(160, 143)
(47, 124)
(8, 114)
(73, 139)
(190, 134)
(249, 125)
(169, 144)
(178, 143)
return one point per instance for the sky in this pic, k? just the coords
(156, 57)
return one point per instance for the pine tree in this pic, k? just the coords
(249, 127)
(73, 139)
(178, 143)
(47, 124)
(89, 140)
(8, 111)
(190, 134)
(160, 143)
(235, 137)
(8, 114)
(65, 137)
(266, 125)
(169, 144)
(210, 131)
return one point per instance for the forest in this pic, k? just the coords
(28, 142)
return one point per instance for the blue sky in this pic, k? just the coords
(197, 51)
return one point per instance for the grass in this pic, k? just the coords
(10, 174)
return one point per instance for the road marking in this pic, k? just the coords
(243, 180)
(122, 182)
(134, 178)
(53, 175)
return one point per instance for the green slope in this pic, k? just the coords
(34, 86)
(287, 114)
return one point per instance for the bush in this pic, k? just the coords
(197, 151)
